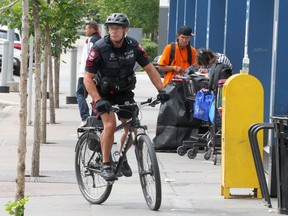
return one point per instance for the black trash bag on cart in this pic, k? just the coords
(175, 121)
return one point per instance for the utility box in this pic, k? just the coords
(243, 105)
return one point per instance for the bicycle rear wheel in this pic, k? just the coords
(87, 167)
(148, 172)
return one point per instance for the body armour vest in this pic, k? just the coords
(116, 73)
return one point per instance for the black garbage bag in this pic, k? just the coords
(175, 121)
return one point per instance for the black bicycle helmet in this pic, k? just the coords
(119, 19)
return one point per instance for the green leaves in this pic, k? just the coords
(142, 14)
(66, 19)
(151, 48)
(11, 15)
(17, 207)
(66, 16)
(63, 17)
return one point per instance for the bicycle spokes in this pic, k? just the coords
(148, 172)
(87, 166)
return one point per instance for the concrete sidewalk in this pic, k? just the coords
(189, 187)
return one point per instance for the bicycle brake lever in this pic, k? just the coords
(154, 103)
(149, 100)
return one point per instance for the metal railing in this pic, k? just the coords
(252, 133)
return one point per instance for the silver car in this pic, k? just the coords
(17, 49)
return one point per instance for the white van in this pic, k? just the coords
(17, 48)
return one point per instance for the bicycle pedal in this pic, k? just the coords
(87, 173)
(80, 130)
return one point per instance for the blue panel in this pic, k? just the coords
(217, 19)
(180, 13)
(236, 32)
(259, 43)
(281, 98)
(190, 15)
(172, 21)
(260, 46)
(201, 25)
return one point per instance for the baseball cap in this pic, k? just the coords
(185, 30)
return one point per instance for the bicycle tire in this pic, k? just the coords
(92, 186)
(148, 172)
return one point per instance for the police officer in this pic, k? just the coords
(112, 59)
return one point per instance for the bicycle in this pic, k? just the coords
(88, 159)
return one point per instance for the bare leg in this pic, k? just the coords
(126, 169)
(124, 135)
(107, 136)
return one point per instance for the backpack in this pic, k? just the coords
(172, 53)
(219, 71)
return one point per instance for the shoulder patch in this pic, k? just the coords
(142, 50)
(140, 47)
(93, 54)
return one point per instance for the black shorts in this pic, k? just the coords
(120, 99)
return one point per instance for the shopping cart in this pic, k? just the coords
(200, 142)
(208, 140)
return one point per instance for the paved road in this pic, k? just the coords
(189, 187)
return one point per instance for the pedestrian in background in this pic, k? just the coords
(214, 66)
(177, 57)
(92, 31)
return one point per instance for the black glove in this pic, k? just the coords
(102, 106)
(163, 96)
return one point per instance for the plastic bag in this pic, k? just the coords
(203, 102)
(212, 113)
(175, 121)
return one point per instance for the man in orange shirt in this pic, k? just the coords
(183, 57)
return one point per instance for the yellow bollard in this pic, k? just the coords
(243, 105)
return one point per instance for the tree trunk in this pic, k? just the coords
(20, 180)
(44, 85)
(37, 119)
(154, 35)
(57, 73)
(51, 90)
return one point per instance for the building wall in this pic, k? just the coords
(163, 28)
(220, 25)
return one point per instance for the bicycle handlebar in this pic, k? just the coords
(149, 101)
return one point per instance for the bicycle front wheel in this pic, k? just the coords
(87, 167)
(149, 172)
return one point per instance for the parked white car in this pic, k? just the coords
(17, 49)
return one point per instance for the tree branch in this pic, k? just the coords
(8, 6)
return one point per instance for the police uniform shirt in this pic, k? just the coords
(94, 60)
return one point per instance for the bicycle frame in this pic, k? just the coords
(88, 159)
(133, 123)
